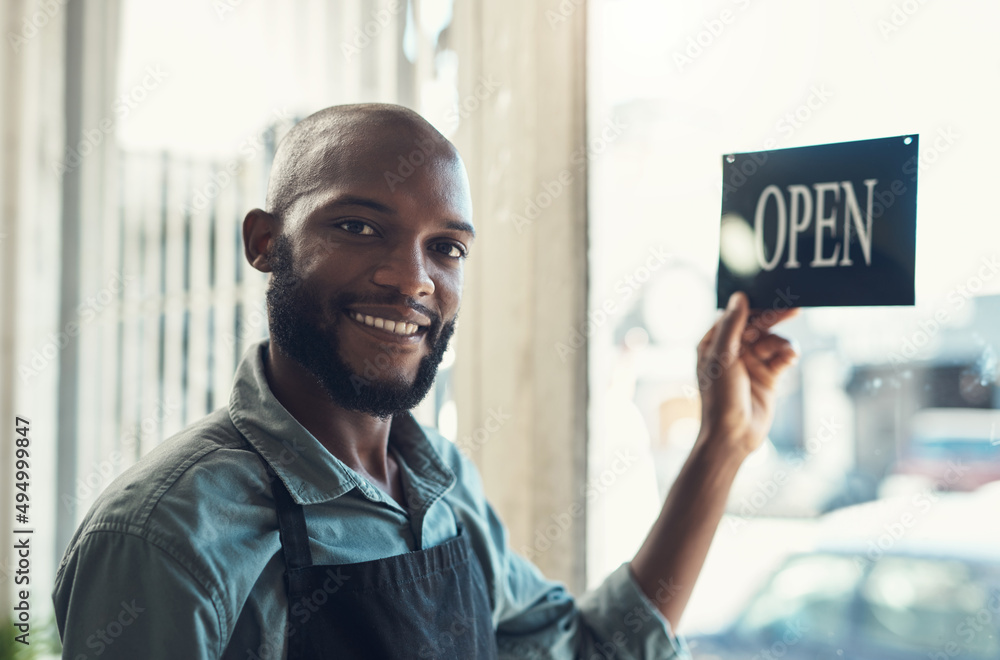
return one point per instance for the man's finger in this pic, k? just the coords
(765, 371)
(770, 345)
(759, 370)
(786, 357)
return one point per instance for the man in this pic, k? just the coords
(314, 518)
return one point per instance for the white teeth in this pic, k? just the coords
(397, 327)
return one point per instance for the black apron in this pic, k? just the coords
(426, 604)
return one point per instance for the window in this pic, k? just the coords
(674, 87)
(182, 304)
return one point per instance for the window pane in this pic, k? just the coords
(887, 434)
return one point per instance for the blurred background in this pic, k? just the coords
(137, 134)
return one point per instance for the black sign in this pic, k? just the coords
(829, 225)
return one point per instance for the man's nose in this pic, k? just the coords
(405, 269)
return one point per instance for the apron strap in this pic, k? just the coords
(291, 524)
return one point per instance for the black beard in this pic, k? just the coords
(298, 331)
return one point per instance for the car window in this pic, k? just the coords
(808, 599)
(930, 606)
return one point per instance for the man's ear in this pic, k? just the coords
(260, 228)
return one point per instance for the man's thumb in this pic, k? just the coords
(727, 340)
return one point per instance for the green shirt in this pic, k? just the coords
(180, 556)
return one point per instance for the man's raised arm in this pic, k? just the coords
(739, 362)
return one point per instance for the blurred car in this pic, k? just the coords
(838, 604)
(952, 448)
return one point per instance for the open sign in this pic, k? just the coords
(833, 224)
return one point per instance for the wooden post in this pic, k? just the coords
(522, 111)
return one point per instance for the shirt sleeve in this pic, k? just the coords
(121, 596)
(541, 619)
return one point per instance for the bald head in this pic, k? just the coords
(344, 141)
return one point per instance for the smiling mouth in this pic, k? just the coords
(401, 328)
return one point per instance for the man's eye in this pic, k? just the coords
(357, 227)
(451, 250)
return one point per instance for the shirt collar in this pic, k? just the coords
(310, 472)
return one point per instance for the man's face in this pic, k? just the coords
(367, 276)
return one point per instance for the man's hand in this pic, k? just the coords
(739, 362)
